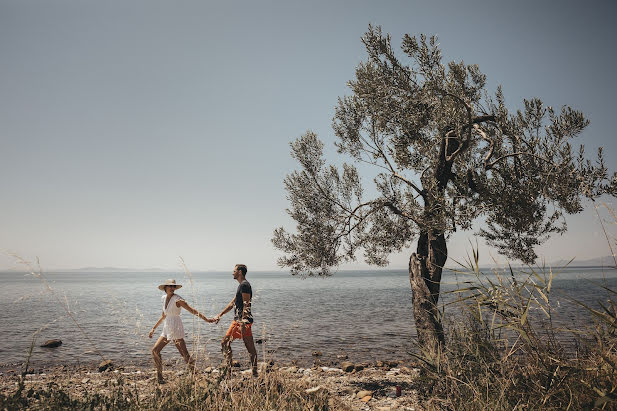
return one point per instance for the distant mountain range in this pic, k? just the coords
(116, 269)
(606, 261)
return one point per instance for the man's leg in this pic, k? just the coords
(226, 349)
(250, 346)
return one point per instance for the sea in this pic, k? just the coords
(362, 315)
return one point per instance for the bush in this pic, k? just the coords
(504, 352)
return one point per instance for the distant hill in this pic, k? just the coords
(605, 261)
(115, 270)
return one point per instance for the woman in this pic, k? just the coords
(173, 330)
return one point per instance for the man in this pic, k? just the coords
(243, 319)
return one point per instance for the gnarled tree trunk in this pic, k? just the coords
(425, 269)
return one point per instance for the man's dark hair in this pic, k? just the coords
(242, 268)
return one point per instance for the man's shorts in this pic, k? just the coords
(235, 331)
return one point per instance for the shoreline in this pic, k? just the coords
(370, 386)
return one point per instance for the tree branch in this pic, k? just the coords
(490, 141)
(490, 166)
(398, 211)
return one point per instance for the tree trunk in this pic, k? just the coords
(425, 269)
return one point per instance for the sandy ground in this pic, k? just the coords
(367, 387)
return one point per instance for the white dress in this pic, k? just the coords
(172, 327)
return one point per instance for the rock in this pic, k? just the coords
(208, 370)
(379, 364)
(330, 369)
(359, 367)
(105, 365)
(317, 353)
(261, 340)
(366, 399)
(85, 380)
(313, 390)
(52, 343)
(347, 366)
(342, 357)
(292, 369)
(235, 363)
(364, 393)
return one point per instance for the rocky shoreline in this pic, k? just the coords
(383, 385)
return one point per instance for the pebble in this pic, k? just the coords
(105, 365)
(364, 393)
(366, 398)
(330, 369)
(313, 390)
(347, 366)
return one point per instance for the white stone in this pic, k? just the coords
(313, 390)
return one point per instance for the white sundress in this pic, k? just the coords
(172, 327)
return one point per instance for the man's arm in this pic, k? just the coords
(246, 300)
(225, 310)
(246, 304)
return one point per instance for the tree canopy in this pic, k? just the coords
(444, 153)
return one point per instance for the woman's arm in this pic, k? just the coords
(157, 324)
(183, 304)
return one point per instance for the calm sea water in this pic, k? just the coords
(366, 315)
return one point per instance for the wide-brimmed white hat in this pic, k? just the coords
(169, 282)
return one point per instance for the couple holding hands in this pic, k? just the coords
(173, 330)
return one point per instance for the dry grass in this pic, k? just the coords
(504, 351)
(272, 391)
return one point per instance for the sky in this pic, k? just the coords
(136, 133)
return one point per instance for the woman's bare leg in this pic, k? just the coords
(184, 352)
(158, 359)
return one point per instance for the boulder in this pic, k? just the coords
(105, 365)
(52, 343)
(347, 366)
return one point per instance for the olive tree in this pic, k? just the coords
(444, 153)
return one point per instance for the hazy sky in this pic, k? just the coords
(135, 132)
